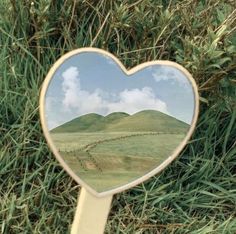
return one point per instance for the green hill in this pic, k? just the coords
(79, 124)
(108, 120)
(115, 116)
(147, 120)
(90, 123)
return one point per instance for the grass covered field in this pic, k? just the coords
(118, 158)
(110, 151)
(197, 192)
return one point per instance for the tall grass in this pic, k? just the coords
(195, 194)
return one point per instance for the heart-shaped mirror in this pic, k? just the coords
(112, 128)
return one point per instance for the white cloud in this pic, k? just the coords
(50, 103)
(70, 87)
(75, 97)
(166, 73)
(52, 124)
(109, 60)
(82, 102)
(135, 100)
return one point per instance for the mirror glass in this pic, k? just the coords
(111, 128)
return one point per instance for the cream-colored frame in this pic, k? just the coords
(127, 72)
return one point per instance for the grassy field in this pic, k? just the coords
(197, 192)
(110, 151)
(118, 158)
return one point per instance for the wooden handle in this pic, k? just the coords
(91, 213)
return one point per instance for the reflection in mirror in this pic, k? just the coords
(111, 128)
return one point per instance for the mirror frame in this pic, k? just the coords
(133, 70)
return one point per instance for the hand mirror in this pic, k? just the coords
(112, 128)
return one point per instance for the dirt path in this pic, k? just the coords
(92, 145)
(91, 163)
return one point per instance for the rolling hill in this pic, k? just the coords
(79, 124)
(147, 120)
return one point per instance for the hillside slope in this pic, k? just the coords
(147, 120)
(79, 124)
(90, 123)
